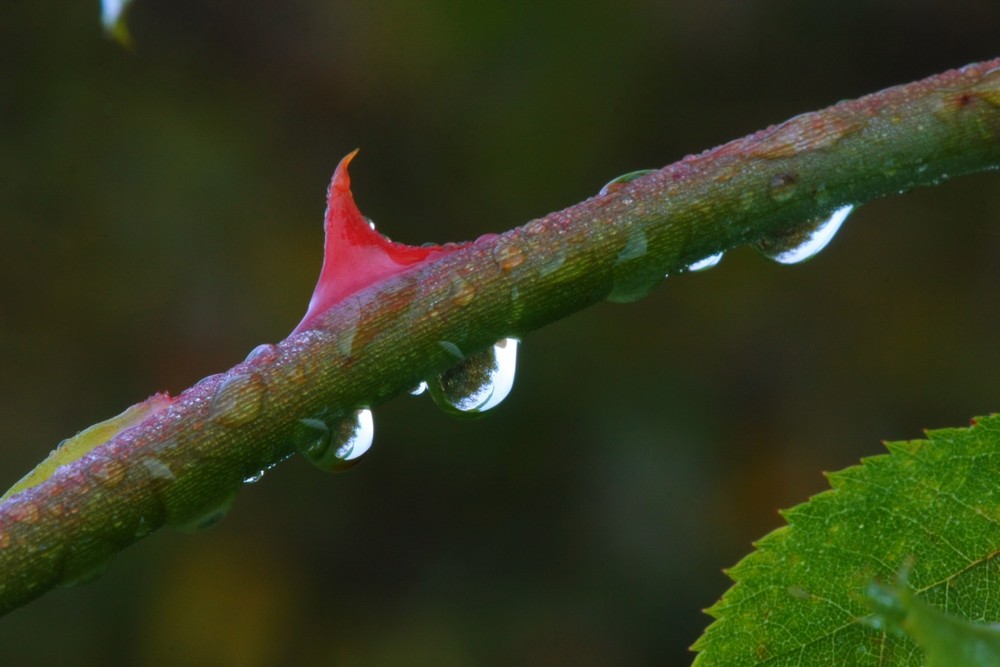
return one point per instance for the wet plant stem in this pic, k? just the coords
(190, 458)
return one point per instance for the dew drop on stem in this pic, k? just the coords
(239, 399)
(265, 351)
(805, 241)
(334, 445)
(477, 384)
(618, 182)
(78, 571)
(207, 516)
(634, 278)
(508, 255)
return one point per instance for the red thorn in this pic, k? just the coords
(355, 255)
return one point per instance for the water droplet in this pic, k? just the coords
(633, 281)
(479, 383)
(419, 389)
(142, 528)
(635, 246)
(239, 399)
(988, 86)
(157, 469)
(254, 478)
(782, 186)
(633, 286)
(508, 256)
(553, 263)
(371, 223)
(265, 351)
(80, 569)
(706, 263)
(109, 473)
(336, 445)
(617, 183)
(804, 241)
(208, 516)
(462, 292)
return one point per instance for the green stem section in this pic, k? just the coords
(185, 461)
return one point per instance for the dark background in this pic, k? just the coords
(160, 213)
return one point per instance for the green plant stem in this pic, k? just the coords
(184, 461)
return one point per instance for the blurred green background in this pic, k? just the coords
(161, 215)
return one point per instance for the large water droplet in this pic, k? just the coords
(419, 389)
(337, 445)
(804, 241)
(478, 384)
(617, 183)
(239, 399)
(706, 263)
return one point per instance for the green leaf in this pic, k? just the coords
(930, 506)
(946, 640)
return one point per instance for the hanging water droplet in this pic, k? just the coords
(617, 183)
(208, 516)
(804, 241)
(371, 223)
(706, 263)
(337, 445)
(419, 389)
(254, 478)
(479, 383)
